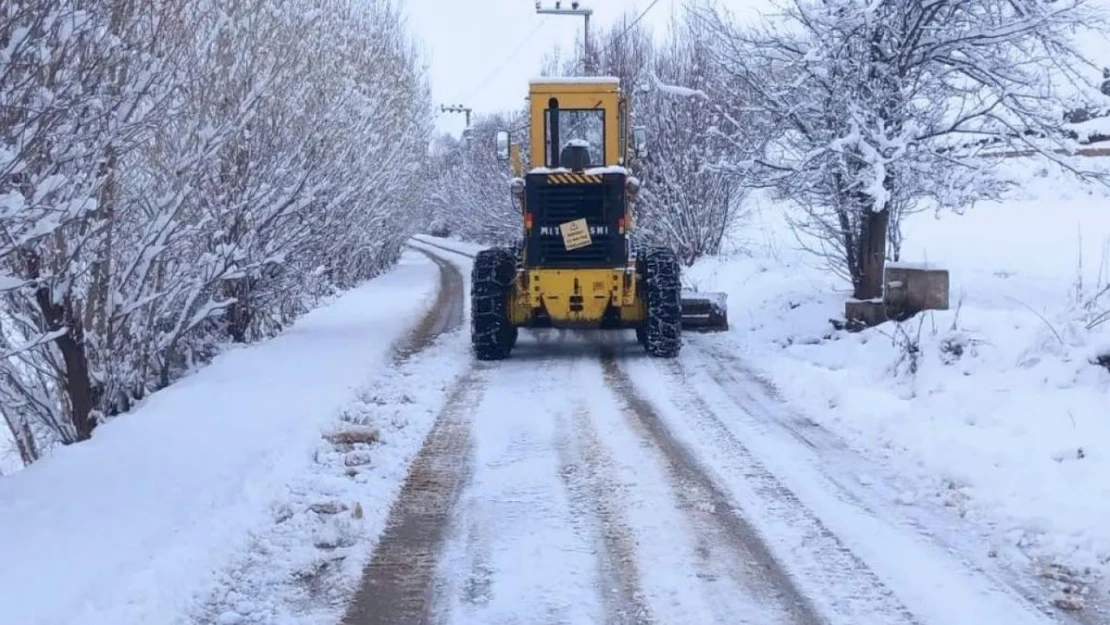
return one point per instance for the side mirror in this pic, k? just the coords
(639, 141)
(502, 145)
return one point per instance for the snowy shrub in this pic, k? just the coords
(175, 175)
(439, 228)
(1097, 317)
(688, 203)
(956, 342)
(907, 347)
(470, 195)
(1091, 302)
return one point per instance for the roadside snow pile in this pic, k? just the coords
(997, 408)
(131, 526)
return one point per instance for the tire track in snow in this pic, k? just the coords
(466, 578)
(439, 247)
(518, 552)
(586, 473)
(445, 315)
(727, 545)
(398, 582)
(856, 566)
(848, 592)
(398, 579)
(760, 402)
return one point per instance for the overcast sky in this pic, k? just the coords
(468, 44)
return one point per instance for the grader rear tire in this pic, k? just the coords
(662, 331)
(492, 335)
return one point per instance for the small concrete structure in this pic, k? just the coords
(911, 288)
(908, 289)
(862, 314)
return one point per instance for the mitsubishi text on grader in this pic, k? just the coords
(579, 266)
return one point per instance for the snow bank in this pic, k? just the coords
(127, 528)
(995, 410)
(306, 564)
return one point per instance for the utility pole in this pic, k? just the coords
(457, 108)
(576, 11)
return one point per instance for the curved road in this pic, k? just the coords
(582, 482)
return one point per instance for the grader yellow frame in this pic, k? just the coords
(577, 265)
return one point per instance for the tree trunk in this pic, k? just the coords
(76, 382)
(98, 307)
(28, 448)
(75, 379)
(238, 315)
(872, 254)
(78, 385)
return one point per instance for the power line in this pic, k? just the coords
(612, 43)
(634, 22)
(508, 59)
(511, 55)
(627, 29)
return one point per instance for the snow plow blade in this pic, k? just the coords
(704, 312)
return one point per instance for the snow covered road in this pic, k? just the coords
(582, 482)
(363, 468)
(562, 509)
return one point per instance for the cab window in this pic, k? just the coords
(582, 126)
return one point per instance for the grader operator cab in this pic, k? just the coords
(578, 266)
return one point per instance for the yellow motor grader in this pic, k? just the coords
(578, 265)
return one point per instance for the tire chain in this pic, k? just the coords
(491, 282)
(663, 284)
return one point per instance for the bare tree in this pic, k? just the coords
(79, 114)
(688, 204)
(873, 105)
